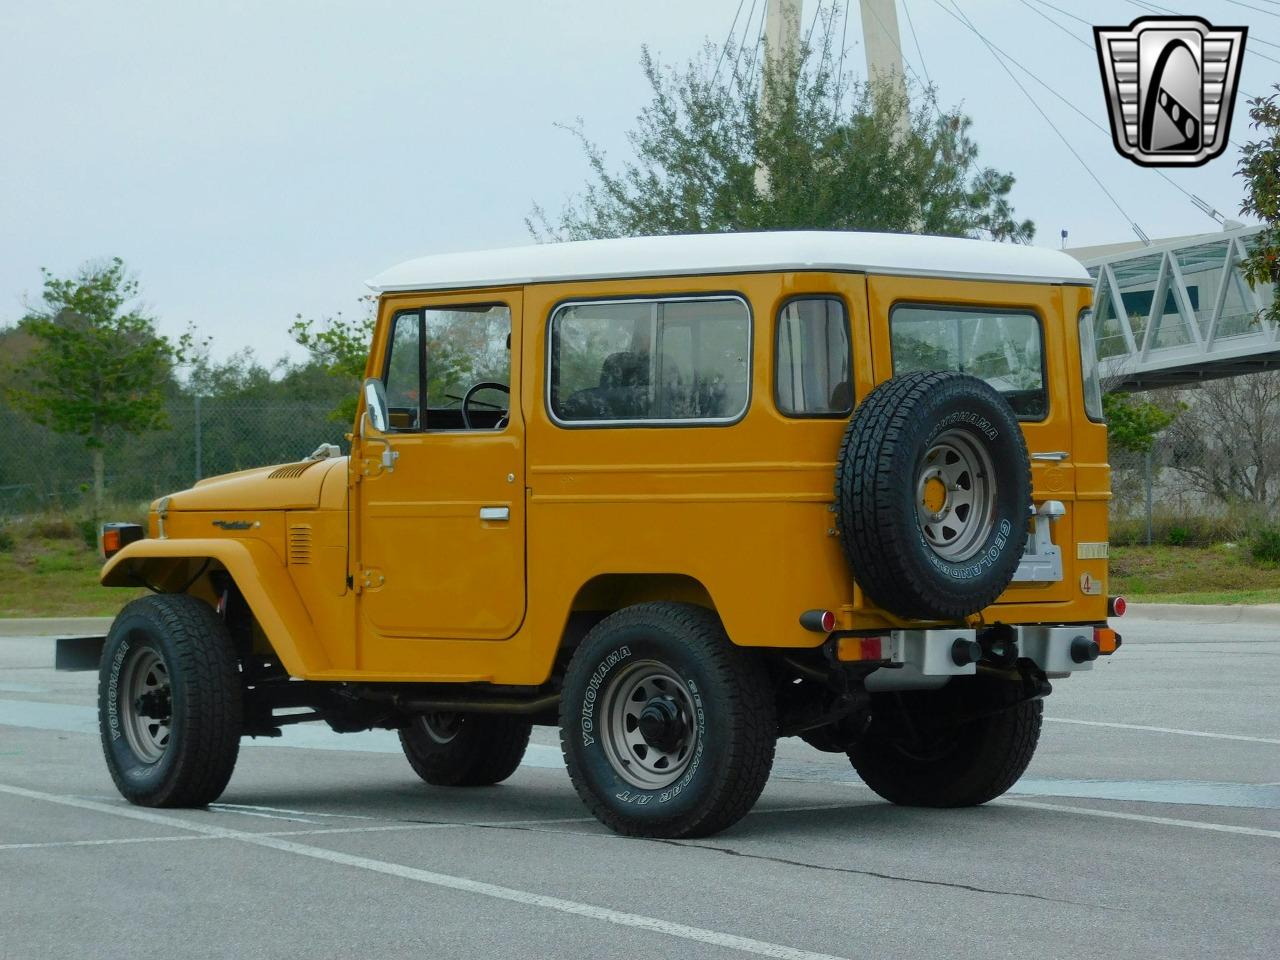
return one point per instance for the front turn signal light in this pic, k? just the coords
(116, 536)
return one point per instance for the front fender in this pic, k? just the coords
(258, 573)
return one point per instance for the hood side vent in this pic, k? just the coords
(291, 470)
(299, 543)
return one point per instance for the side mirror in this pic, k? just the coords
(375, 403)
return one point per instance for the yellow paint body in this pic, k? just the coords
(358, 573)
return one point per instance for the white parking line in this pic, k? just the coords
(1141, 818)
(1185, 733)
(588, 911)
(97, 843)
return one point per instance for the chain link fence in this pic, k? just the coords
(43, 471)
(1174, 494)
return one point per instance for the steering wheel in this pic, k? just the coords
(476, 388)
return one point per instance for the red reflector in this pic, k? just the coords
(1117, 606)
(828, 621)
(862, 648)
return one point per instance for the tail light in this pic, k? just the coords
(853, 649)
(1116, 606)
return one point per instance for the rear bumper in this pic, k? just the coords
(925, 659)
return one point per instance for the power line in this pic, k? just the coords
(1053, 126)
(894, 40)
(1156, 8)
(817, 9)
(727, 41)
(920, 53)
(737, 53)
(1094, 123)
(1065, 13)
(756, 48)
(1247, 6)
(1040, 13)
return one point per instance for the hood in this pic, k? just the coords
(290, 486)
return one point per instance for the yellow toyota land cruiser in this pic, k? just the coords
(679, 496)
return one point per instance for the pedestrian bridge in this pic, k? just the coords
(1179, 311)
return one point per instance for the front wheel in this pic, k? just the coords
(956, 747)
(668, 730)
(169, 702)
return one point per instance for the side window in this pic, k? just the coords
(1001, 346)
(685, 360)
(467, 346)
(1089, 374)
(403, 378)
(813, 376)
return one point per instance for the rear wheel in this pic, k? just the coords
(956, 747)
(668, 730)
(465, 749)
(169, 702)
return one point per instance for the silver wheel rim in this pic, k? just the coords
(645, 761)
(442, 728)
(146, 705)
(958, 468)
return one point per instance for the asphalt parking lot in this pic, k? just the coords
(1147, 826)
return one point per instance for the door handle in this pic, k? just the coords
(495, 513)
(1055, 455)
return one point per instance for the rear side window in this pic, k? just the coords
(650, 361)
(812, 377)
(1089, 375)
(1003, 347)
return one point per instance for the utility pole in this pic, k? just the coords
(883, 44)
(781, 51)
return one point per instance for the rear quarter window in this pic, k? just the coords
(1001, 346)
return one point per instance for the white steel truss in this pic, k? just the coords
(1181, 311)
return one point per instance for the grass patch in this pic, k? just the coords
(49, 569)
(1223, 573)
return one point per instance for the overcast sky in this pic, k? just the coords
(251, 161)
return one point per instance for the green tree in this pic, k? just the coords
(339, 346)
(1260, 168)
(834, 153)
(1133, 424)
(97, 368)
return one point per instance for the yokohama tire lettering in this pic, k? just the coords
(593, 690)
(113, 691)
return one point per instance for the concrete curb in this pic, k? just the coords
(1262, 613)
(55, 626)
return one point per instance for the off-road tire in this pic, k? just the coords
(733, 726)
(917, 754)
(205, 694)
(483, 749)
(876, 488)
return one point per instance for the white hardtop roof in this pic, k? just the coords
(671, 256)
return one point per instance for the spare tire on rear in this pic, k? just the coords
(933, 493)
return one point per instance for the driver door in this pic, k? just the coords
(440, 536)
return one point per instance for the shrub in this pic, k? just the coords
(1177, 536)
(1265, 545)
(6, 539)
(54, 528)
(89, 533)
